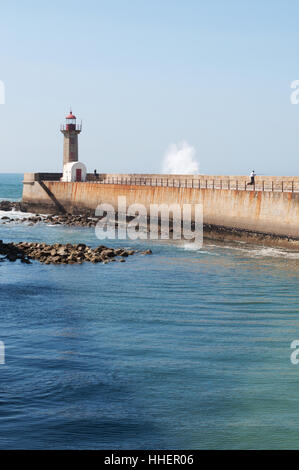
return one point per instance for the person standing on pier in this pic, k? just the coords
(252, 177)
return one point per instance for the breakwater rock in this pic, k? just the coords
(224, 234)
(66, 220)
(11, 205)
(63, 254)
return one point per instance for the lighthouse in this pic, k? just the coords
(73, 170)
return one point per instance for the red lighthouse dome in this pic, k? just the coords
(71, 116)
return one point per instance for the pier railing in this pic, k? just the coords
(275, 184)
(194, 183)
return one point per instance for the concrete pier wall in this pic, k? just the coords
(269, 212)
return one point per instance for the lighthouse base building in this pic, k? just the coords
(74, 171)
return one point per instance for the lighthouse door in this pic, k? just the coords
(78, 174)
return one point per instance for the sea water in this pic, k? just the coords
(183, 349)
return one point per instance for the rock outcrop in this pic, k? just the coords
(62, 254)
(11, 205)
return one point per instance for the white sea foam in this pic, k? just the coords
(192, 246)
(179, 159)
(250, 251)
(263, 252)
(273, 253)
(14, 214)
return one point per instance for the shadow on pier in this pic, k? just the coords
(58, 205)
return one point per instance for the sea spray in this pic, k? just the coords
(180, 159)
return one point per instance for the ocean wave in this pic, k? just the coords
(262, 251)
(198, 248)
(250, 251)
(14, 214)
(273, 253)
(192, 246)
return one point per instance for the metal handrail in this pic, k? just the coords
(203, 184)
(291, 186)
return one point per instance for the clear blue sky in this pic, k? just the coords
(143, 74)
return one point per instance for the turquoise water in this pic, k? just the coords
(182, 349)
(11, 186)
